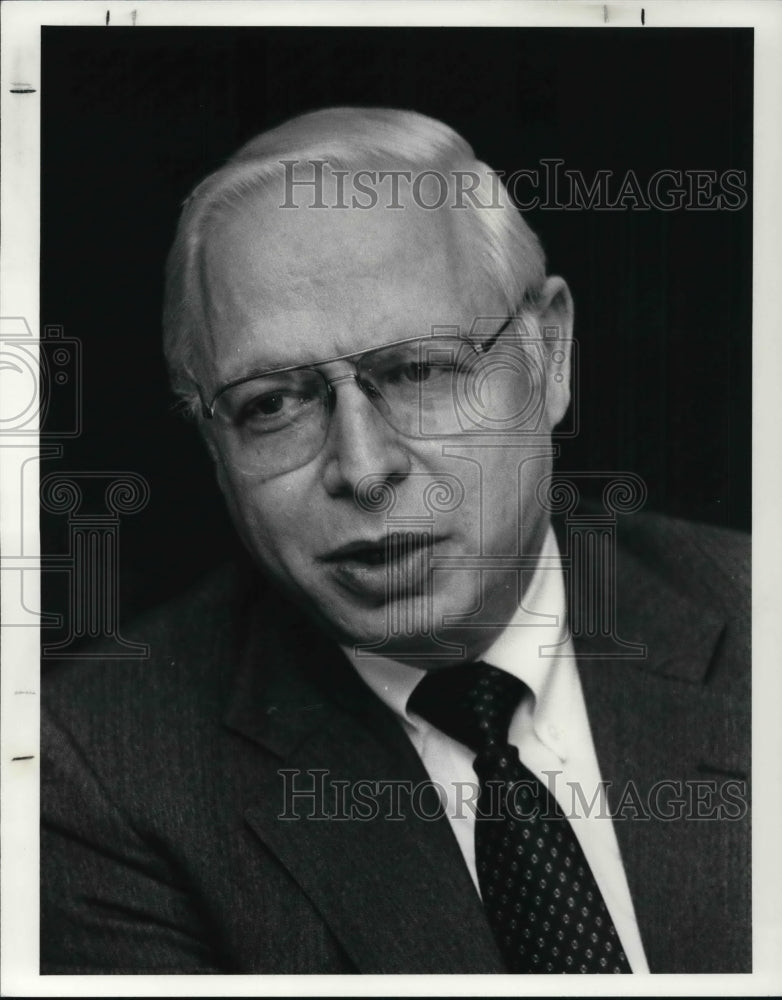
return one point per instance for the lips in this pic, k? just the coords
(380, 569)
(370, 552)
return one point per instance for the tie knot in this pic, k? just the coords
(473, 703)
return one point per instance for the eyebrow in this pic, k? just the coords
(294, 366)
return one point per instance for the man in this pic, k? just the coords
(440, 730)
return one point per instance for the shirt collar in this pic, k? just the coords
(392, 682)
(523, 647)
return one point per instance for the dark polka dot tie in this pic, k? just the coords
(541, 899)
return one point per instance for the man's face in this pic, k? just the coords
(294, 286)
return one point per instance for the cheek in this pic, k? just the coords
(510, 489)
(270, 516)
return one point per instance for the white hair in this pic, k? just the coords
(345, 138)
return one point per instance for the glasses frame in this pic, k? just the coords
(480, 348)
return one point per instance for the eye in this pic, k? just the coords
(417, 372)
(269, 411)
(267, 405)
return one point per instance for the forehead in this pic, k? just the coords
(292, 285)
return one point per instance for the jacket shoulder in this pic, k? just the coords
(184, 640)
(711, 564)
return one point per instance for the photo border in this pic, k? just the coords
(19, 287)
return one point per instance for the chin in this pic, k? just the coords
(408, 629)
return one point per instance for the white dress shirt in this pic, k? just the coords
(550, 729)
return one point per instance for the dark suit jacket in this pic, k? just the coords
(163, 851)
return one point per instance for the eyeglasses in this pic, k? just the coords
(423, 387)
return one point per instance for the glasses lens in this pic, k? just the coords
(504, 391)
(274, 423)
(442, 386)
(416, 385)
(434, 387)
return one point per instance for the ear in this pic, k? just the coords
(555, 329)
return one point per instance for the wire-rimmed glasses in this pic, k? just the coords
(435, 386)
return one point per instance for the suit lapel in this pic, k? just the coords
(394, 891)
(654, 721)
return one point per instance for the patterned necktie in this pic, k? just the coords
(541, 899)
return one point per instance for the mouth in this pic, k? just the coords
(394, 565)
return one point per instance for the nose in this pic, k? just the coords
(360, 442)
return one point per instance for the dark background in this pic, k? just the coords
(132, 118)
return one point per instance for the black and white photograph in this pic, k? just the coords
(379, 489)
